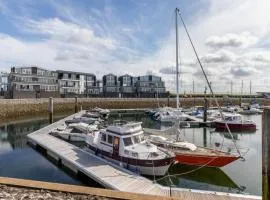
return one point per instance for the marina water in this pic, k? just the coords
(19, 160)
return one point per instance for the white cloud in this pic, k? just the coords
(244, 39)
(221, 56)
(243, 71)
(72, 33)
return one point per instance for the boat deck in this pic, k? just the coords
(110, 175)
(204, 151)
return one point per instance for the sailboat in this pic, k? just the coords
(188, 153)
(185, 152)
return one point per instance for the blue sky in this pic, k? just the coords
(137, 37)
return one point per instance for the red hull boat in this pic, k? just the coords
(236, 127)
(235, 123)
(189, 154)
(217, 159)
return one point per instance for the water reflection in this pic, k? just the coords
(18, 160)
(212, 178)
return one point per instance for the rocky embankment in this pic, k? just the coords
(12, 193)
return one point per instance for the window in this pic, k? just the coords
(103, 137)
(135, 154)
(141, 137)
(136, 139)
(110, 139)
(127, 141)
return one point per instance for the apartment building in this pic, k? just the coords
(77, 84)
(126, 87)
(32, 82)
(110, 86)
(3, 83)
(36, 82)
(150, 86)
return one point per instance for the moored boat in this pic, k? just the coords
(123, 143)
(235, 123)
(190, 154)
(75, 132)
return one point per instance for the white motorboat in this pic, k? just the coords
(74, 132)
(123, 143)
(103, 113)
(87, 120)
(169, 115)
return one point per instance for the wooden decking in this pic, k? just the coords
(110, 175)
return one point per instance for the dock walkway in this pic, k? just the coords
(110, 175)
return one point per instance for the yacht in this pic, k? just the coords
(100, 112)
(124, 144)
(75, 132)
(235, 122)
(169, 115)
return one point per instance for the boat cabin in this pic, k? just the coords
(125, 140)
(231, 118)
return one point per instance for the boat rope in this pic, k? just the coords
(208, 82)
(188, 172)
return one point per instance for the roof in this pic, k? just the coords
(72, 72)
(125, 128)
(125, 75)
(32, 66)
(110, 74)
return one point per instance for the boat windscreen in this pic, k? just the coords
(127, 141)
(136, 139)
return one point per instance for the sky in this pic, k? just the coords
(137, 37)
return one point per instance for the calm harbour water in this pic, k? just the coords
(19, 160)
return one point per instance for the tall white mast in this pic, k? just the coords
(177, 70)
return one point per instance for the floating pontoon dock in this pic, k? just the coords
(110, 175)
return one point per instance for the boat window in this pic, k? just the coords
(110, 139)
(141, 137)
(103, 137)
(127, 141)
(134, 154)
(153, 154)
(74, 130)
(136, 139)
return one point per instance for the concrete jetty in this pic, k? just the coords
(109, 175)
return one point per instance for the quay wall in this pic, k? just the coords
(10, 108)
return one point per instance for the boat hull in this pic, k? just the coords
(221, 126)
(204, 160)
(145, 167)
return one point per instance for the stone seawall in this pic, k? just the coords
(12, 108)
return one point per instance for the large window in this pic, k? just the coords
(127, 141)
(136, 139)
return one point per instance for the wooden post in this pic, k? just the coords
(168, 101)
(76, 104)
(50, 110)
(265, 153)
